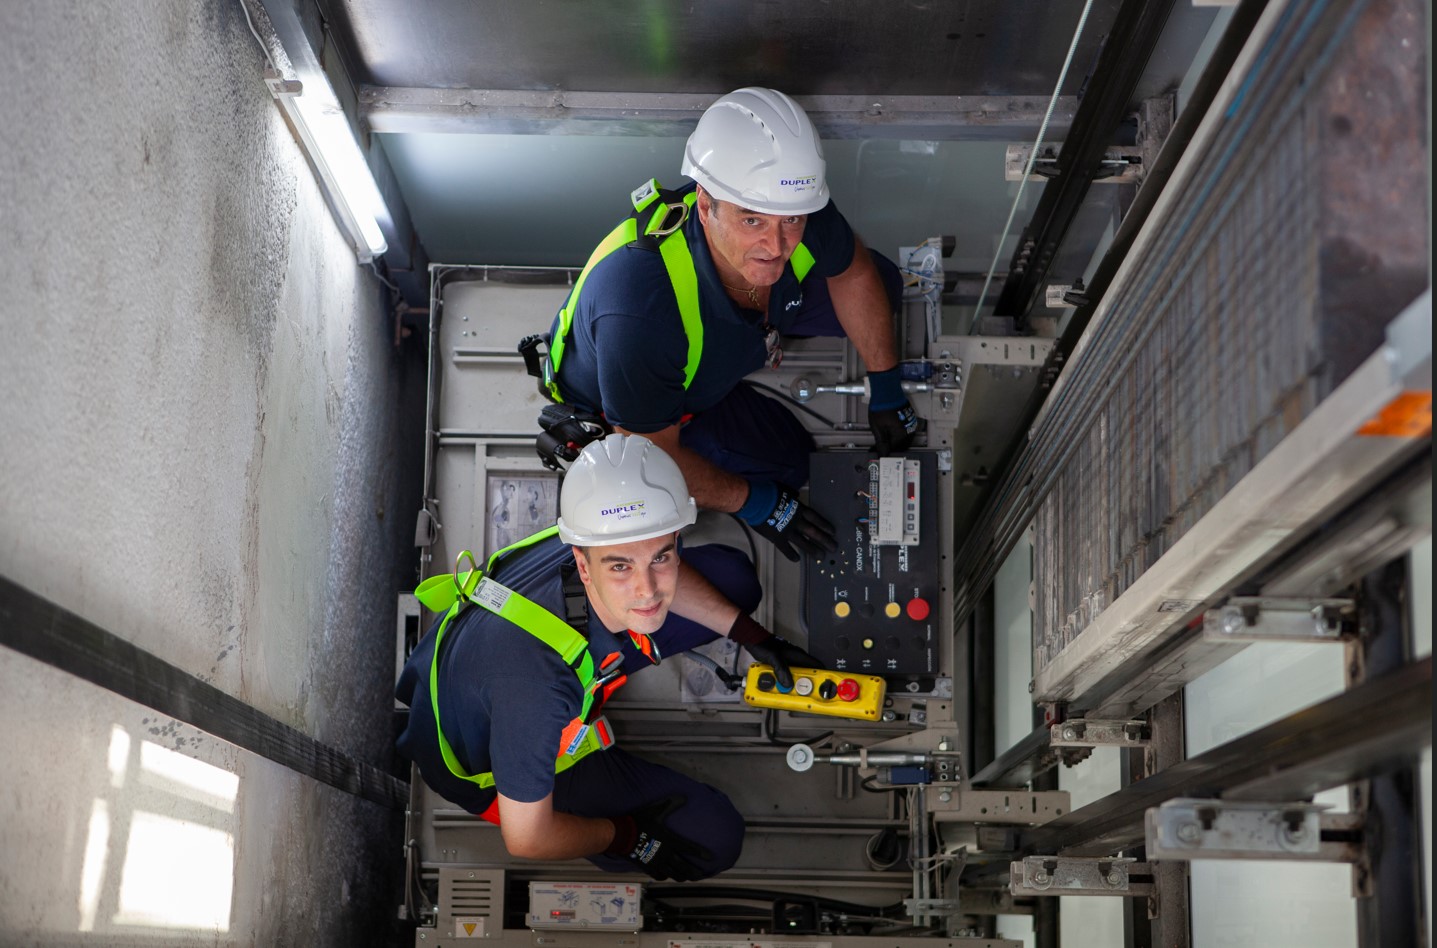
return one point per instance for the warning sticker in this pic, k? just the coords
(491, 595)
(1409, 415)
(468, 927)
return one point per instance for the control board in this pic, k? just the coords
(870, 606)
(816, 691)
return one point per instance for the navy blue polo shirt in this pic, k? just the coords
(627, 349)
(504, 696)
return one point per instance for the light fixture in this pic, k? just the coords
(300, 87)
(332, 149)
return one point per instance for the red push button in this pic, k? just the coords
(918, 609)
(848, 690)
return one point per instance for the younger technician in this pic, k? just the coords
(504, 692)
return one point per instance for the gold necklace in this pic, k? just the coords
(751, 292)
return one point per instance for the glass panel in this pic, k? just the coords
(1237, 903)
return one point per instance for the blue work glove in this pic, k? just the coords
(642, 838)
(890, 416)
(769, 649)
(776, 514)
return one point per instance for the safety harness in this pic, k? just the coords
(656, 224)
(451, 593)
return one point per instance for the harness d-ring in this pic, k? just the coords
(473, 566)
(683, 212)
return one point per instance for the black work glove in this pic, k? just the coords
(769, 649)
(890, 415)
(776, 514)
(642, 838)
(893, 428)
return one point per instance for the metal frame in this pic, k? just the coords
(667, 114)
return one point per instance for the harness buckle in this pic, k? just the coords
(611, 669)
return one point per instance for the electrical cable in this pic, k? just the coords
(1032, 158)
(693, 891)
(381, 278)
(870, 784)
(833, 425)
(770, 731)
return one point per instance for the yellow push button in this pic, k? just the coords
(868, 643)
(842, 609)
(892, 610)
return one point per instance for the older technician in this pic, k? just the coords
(698, 287)
(505, 692)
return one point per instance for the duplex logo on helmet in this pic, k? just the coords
(624, 511)
(806, 183)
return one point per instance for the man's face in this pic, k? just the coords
(631, 585)
(756, 245)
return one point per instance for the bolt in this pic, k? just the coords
(471, 875)
(943, 745)
(1113, 878)
(1040, 877)
(1070, 734)
(1189, 832)
(945, 796)
(1232, 620)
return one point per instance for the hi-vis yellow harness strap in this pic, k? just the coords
(450, 593)
(664, 213)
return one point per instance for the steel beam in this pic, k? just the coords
(663, 114)
(1366, 730)
(1106, 101)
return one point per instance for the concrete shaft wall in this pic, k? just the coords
(203, 449)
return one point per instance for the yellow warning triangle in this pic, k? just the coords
(469, 927)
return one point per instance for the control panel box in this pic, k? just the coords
(585, 905)
(869, 607)
(816, 691)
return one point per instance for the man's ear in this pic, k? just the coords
(704, 204)
(581, 562)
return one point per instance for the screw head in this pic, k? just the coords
(1070, 734)
(1113, 878)
(1232, 620)
(1040, 877)
(1189, 832)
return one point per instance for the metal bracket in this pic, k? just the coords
(1053, 875)
(1092, 732)
(1217, 829)
(920, 907)
(958, 804)
(1270, 619)
(1120, 164)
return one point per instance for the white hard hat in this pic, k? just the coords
(756, 148)
(623, 489)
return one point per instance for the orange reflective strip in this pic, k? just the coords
(1409, 415)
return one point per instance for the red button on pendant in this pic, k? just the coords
(918, 609)
(848, 690)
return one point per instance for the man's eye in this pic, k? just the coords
(662, 558)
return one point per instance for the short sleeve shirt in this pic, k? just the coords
(627, 349)
(504, 696)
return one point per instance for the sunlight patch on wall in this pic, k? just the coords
(92, 872)
(177, 874)
(188, 778)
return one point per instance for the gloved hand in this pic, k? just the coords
(776, 514)
(890, 415)
(769, 649)
(642, 838)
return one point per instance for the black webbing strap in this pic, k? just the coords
(37, 627)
